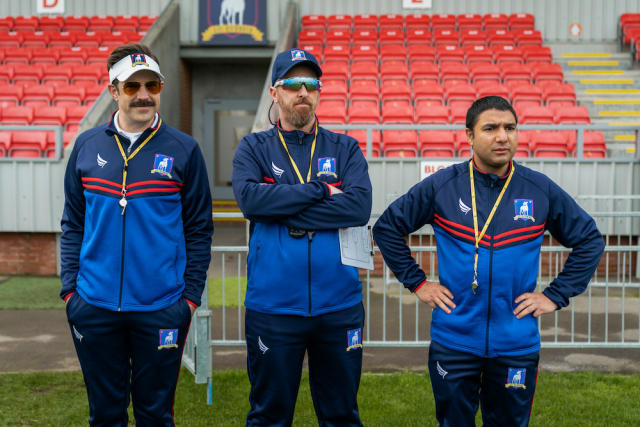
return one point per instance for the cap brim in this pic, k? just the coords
(315, 67)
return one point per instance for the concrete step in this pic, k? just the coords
(227, 206)
(595, 60)
(558, 48)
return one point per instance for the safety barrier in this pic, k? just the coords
(606, 315)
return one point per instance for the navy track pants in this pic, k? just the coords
(276, 345)
(503, 386)
(127, 352)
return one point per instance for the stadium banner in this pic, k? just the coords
(44, 7)
(232, 22)
(429, 167)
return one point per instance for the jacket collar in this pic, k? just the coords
(491, 178)
(111, 130)
(295, 135)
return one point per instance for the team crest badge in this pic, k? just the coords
(138, 59)
(327, 166)
(168, 338)
(515, 378)
(298, 55)
(524, 209)
(162, 165)
(354, 339)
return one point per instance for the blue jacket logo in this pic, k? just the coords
(524, 209)
(327, 166)
(162, 165)
(354, 339)
(168, 338)
(515, 378)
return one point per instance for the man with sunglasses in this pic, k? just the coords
(299, 183)
(135, 247)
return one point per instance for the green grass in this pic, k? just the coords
(30, 293)
(230, 291)
(398, 399)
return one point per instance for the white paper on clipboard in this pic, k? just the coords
(355, 247)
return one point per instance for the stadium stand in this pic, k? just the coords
(421, 69)
(52, 69)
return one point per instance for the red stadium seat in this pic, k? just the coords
(417, 21)
(424, 89)
(432, 114)
(6, 23)
(515, 72)
(91, 72)
(397, 112)
(594, 145)
(528, 37)
(575, 114)
(146, 22)
(364, 52)
(126, 23)
(311, 36)
(534, 53)
(364, 112)
(365, 36)
(314, 22)
(75, 115)
(508, 54)
(37, 95)
(90, 38)
(337, 52)
(44, 55)
(437, 143)
(391, 20)
(418, 35)
(334, 89)
(446, 36)
(450, 53)
(495, 20)
(92, 91)
(526, 92)
(28, 143)
(60, 73)
(65, 39)
(35, 39)
(443, 21)
(30, 73)
(338, 36)
(339, 22)
(335, 70)
(493, 90)
(473, 36)
(454, 71)
(394, 69)
(17, 55)
(522, 21)
(26, 23)
(424, 70)
(5, 143)
(421, 52)
(459, 114)
(544, 71)
(11, 95)
(536, 115)
(500, 36)
(564, 92)
(364, 90)
(392, 51)
(332, 112)
(101, 23)
(367, 21)
(548, 144)
(99, 55)
(48, 115)
(361, 137)
(469, 21)
(478, 53)
(395, 90)
(364, 70)
(486, 72)
(79, 23)
(400, 143)
(10, 39)
(391, 36)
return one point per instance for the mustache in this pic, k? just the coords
(304, 102)
(143, 103)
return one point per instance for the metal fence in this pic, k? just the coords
(606, 315)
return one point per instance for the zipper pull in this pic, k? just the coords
(310, 235)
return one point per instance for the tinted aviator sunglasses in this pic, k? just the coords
(131, 88)
(295, 83)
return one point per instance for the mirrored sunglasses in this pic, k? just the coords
(131, 88)
(295, 83)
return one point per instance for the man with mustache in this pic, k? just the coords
(135, 247)
(298, 184)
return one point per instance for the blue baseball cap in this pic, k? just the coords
(290, 58)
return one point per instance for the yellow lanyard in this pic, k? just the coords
(123, 201)
(478, 237)
(293, 163)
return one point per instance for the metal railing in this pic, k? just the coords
(606, 315)
(58, 130)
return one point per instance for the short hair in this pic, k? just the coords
(487, 103)
(125, 50)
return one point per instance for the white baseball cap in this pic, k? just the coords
(131, 64)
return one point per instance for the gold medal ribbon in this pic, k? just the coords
(479, 236)
(123, 201)
(293, 163)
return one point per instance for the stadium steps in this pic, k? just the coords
(607, 83)
(227, 206)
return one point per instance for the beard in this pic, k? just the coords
(296, 117)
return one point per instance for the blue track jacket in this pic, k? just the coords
(509, 253)
(300, 276)
(159, 250)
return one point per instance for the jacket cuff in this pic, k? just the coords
(419, 286)
(558, 299)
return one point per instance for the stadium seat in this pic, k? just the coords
(544, 71)
(473, 36)
(10, 95)
(424, 70)
(73, 23)
(29, 144)
(47, 115)
(400, 143)
(460, 92)
(525, 92)
(7, 72)
(521, 21)
(364, 52)
(432, 114)
(5, 143)
(44, 55)
(75, 116)
(99, 55)
(332, 112)
(418, 35)
(459, 114)
(495, 21)
(499, 37)
(532, 53)
(361, 137)
(65, 39)
(60, 73)
(454, 72)
(364, 112)
(427, 89)
(6, 23)
(561, 93)
(391, 20)
(92, 91)
(25, 23)
(146, 22)
(339, 21)
(523, 151)
(17, 55)
(417, 21)
(338, 36)
(391, 36)
(484, 72)
(548, 144)
(469, 21)
(493, 90)
(10, 39)
(337, 52)
(125, 23)
(515, 72)
(101, 23)
(314, 22)
(311, 36)
(594, 145)
(392, 51)
(421, 52)
(35, 39)
(443, 21)
(314, 49)
(528, 37)
(364, 70)
(393, 90)
(445, 36)
(335, 70)
(462, 143)
(334, 89)
(574, 114)
(397, 112)
(365, 36)
(437, 143)
(29, 73)
(449, 53)
(478, 53)
(507, 54)
(364, 90)
(365, 21)
(37, 95)
(394, 69)
(535, 115)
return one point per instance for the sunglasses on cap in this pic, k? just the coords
(295, 83)
(131, 88)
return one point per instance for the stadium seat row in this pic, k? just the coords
(31, 143)
(69, 39)
(43, 73)
(77, 23)
(56, 115)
